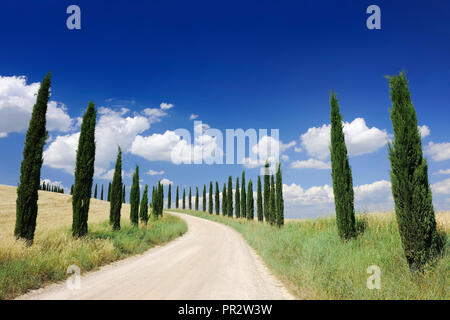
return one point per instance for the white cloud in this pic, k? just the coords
(61, 153)
(166, 182)
(311, 164)
(424, 131)
(193, 116)
(295, 195)
(285, 157)
(17, 99)
(442, 171)
(442, 187)
(166, 106)
(438, 151)
(154, 173)
(267, 148)
(298, 149)
(378, 190)
(359, 139)
(154, 114)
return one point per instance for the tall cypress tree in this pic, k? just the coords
(273, 209)
(184, 199)
(84, 173)
(160, 199)
(279, 198)
(224, 200)
(230, 197)
(30, 168)
(154, 204)
(135, 194)
(409, 178)
(109, 192)
(169, 197)
(250, 201)
(204, 198)
(259, 201)
(243, 197)
(217, 199)
(143, 209)
(210, 196)
(116, 193)
(342, 175)
(237, 200)
(266, 204)
(71, 190)
(101, 193)
(177, 199)
(123, 194)
(95, 192)
(190, 198)
(196, 198)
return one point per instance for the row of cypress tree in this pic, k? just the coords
(409, 179)
(50, 188)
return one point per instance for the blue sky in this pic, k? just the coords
(235, 64)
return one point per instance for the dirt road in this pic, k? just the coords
(211, 261)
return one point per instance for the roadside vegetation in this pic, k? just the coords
(25, 267)
(311, 260)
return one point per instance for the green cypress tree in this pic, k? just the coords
(84, 173)
(101, 194)
(196, 198)
(43, 185)
(169, 197)
(217, 199)
(279, 198)
(266, 203)
(161, 199)
(143, 209)
(123, 194)
(116, 193)
(71, 190)
(109, 192)
(210, 198)
(177, 199)
(230, 197)
(237, 200)
(342, 175)
(135, 194)
(30, 168)
(204, 198)
(259, 201)
(95, 192)
(250, 201)
(409, 177)
(224, 200)
(184, 199)
(190, 198)
(273, 209)
(243, 197)
(154, 204)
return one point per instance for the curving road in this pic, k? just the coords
(211, 261)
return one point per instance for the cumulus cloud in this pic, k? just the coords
(154, 172)
(166, 182)
(442, 171)
(193, 116)
(424, 131)
(295, 195)
(311, 164)
(166, 106)
(442, 187)
(359, 139)
(438, 151)
(17, 99)
(267, 148)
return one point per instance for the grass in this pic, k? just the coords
(308, 257)
(23, 268)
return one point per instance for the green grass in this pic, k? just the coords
(26, 268)
(308, 257)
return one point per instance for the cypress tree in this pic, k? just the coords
(279, 198)
(84, 173)
(135, 195)
(109, 192)
(154, 204)
(161, 198)
(259, 201)
(43, 185)
(95, 192)
(190, 198)
(217, 199)
(143, 209)
(169, 197)
(177, 199)
(101, 194)
(342, 175)
(116, 193)
(272, 201)
(71, 189)
(123, 194)
(196, 198)
(243, 197)
(224, 200)
(184, 199)
(409, 177)
(266, 204)
(204, 198)
(237, 200)
(230, 197)
(250, 201)
(30, 168)
(210, 196)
